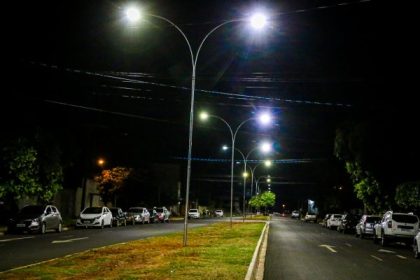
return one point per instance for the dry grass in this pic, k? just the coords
(213, 252)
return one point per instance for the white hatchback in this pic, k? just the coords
(334, 221)
(95, 217)
(218, 213)
(194, 213)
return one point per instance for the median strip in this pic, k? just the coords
(216, 251)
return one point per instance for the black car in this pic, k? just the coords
(348, 223)
(153, 215)
(118, 216)
(36, 218)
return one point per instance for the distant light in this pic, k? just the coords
(225, 148)
(258, 21)
(265, 118)
(101, 162)
(204, 116)
(245, 174)
(268, 180)
(132, 14)
(268, 163)
(265, 147)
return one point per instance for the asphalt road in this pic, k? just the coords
(298, 250)
(23, 249)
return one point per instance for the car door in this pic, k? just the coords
(108, 216)
(48, 217)
(55, 218)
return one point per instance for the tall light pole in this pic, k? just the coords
(265, 147)
(264, 118)
(257, 21)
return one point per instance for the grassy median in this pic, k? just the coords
(213, 252)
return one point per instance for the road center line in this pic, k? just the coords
(401, 257)
(348, 244)
(386, 251)
(376, 258)
(19, 238)
(68, 240)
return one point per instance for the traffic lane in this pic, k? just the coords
(297, 250)
(36, 248)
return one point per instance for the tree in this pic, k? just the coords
(265, 199)
(407, 196)
(29, 170)
(111, 181)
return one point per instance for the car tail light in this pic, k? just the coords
(389, 224)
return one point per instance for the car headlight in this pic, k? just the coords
(98, 217)
(35, 222)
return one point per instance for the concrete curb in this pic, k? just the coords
(256, 267)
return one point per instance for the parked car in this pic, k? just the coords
(365, 226)
(396, 227)
(36, 218)
(324, 221)
(218, 213)
(295, 214)
(348, 223)
(162, 214)
(138, 215)
(118, 217)
(95, 217)
(334, 221)
(193, 213)
(153, 215)
(416, 246)
(310, 217)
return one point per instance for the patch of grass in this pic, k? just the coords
(213, 252)
(258, 218)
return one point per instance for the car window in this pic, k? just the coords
(54, 209)
(93, 210)
(411, 219)
(32, 209)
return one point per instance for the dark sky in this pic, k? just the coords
(123, 92)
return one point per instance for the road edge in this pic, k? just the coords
(256, 267)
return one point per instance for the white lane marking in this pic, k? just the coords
(401, 257)
(68, 240)
(376, 258)
(329, 247)
(386, 251)
(19, 238)
(348, 244)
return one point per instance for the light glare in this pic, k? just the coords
(258, 21)
(204, 116)
(225, 148)
(265, 118)
(132, 14)
(265, 147)
(268, 163)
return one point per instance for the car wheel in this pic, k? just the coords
(102, 224)
(110, 224)
(43, 228)
(59, 228)
(133, 222)
(142, 221)
(375, 239)
(416, 251)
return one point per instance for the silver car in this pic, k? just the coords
(36, 218)
(366, 225)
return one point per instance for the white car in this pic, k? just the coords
(416, 246)
(396, 227)
(295, 214)
(310, 217)
(138, 215)
(218, 213)
(194, 213)
(334, 221)
(365, 227)
(95, 217)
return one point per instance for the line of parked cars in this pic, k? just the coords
(385, 229)
(41, 218)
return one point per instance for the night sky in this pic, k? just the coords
(123, 92)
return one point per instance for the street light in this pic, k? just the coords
(133, 15)
(265, 147)
(205, 116)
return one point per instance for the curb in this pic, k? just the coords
(256, 267)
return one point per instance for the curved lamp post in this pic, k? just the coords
(265, 147)
(133, 14)
(264, 118)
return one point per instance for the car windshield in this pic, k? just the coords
(33, 209)
(337, 216)
(372, 219)
(218, 211)
(114, 211)
(135, 210)
(93, 210)
(159, 210)
(411, 219)
(193, 210)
